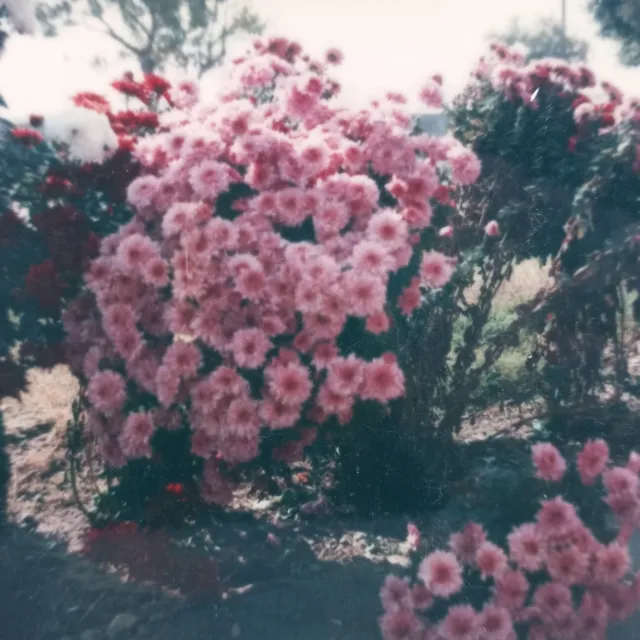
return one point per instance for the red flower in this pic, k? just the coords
(29, 137)
(93, 101)
(43, 283)
(147, 119)
(133, 89)
(156, 84)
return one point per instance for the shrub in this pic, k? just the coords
(554, 579)
(250, 300)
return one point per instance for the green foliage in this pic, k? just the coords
(620, 20)
(5, 472)
(192, 34)
(546, 39)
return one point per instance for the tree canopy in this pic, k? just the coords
(190, 33)
(620, 19)
(546, 39)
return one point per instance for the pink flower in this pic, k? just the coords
(345, 375)
(441, 573)
(135, 251)
(446, 232)
(491, 560)
(495, 623)
(289, 384)
(134, 439)
(400, 624)
(431, 95)
(592, 460)
(183, 358)
(383, 381)
(556, 518)
(388, 229)
(567, 566)
(106, 392)
(156, 272)
(413, 536)
(334, 56)
(466, 543)
(395, 594)
(511, 590)
(465, 165)
(142, 191)
(492, 228)
(621, 480)
(550, 465)
(612, 563)
(378, 323)
(365, 293)
(209, 179)
(372, 256)
(553, 599)
(460, 623)
(167, 385)
(250, 347)
(435, 269)
(525, 547)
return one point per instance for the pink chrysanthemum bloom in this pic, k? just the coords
(128, 343)
(612, 563)
(526, 547)
(413, 536)
(345, 375)
(621, 480)
(334, 56)
(550, 465)
(378, 323)
(372, 256)
(156, 272)
(180, 218)
(142, 191)
(431, 95)
(511, 590)
(553, 599)
(383, 380)
(491, 560)
(441, 573)
(465, 165)
(135, 251)
(495, 623)
(183, 358)
(435, 269)
(592, 460)
(400, 624)
(323, 354)
(365, 293)
(461, 623)
(106, 392)
(465, 544)
(421, 597)
(250, 347)
(395, 594)
(167, 385)
(388, 229)
(209, 179)
(289, 384)
(134, 439)
(567, 566)
(556, 518)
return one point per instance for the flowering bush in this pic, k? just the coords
(250, 300)
(554, 579)
(561, 177)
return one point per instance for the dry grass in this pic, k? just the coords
(527, 279)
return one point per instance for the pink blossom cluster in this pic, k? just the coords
(200, 276)
(588, 584)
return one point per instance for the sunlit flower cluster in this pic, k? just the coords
(558, 543)
(265, 221)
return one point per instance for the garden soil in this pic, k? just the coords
(247, 575)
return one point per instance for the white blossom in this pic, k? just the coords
(87, 134)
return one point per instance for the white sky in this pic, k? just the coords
(388, 44)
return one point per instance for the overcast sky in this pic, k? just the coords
(388, 44)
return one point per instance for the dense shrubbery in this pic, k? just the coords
(254, 297)
(555, 579)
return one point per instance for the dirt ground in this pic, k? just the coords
(246, 574)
